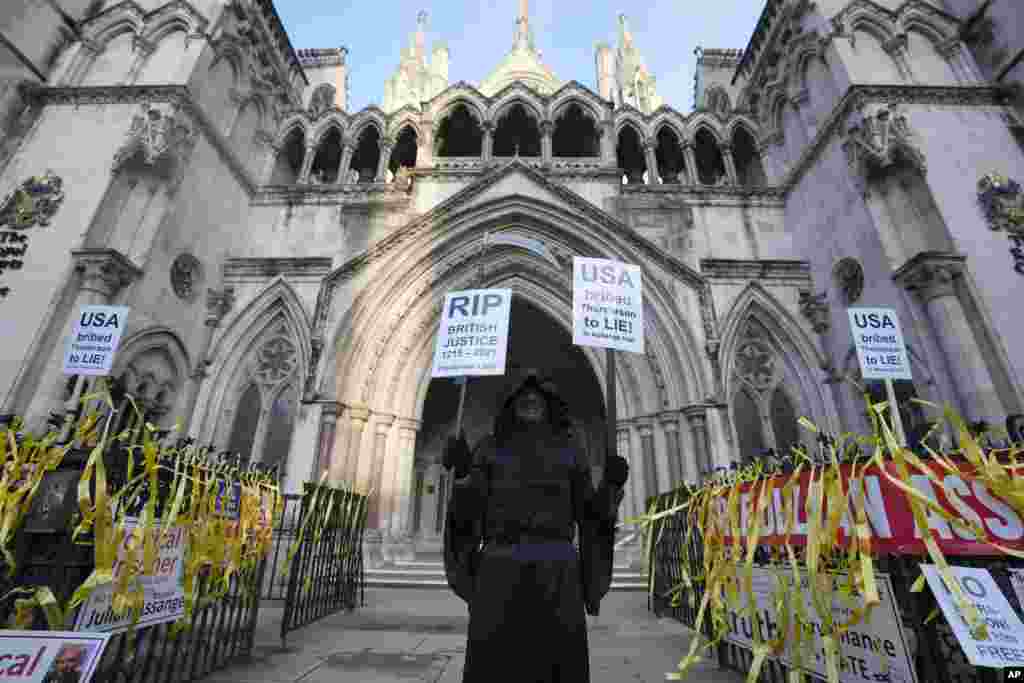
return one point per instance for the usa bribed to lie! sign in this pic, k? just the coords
(608, 304)
(879, 342)
(94, 338)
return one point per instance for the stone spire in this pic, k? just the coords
(625, 35)
(524, 35)
(420, 37)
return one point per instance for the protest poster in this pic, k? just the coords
(1004, 644)
(473, 335)
(42, 656)
(873, 650)
(607, 303)
(93, 340)
(163, 589)
(879, 343)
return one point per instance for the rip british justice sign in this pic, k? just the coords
(473, 336)
(94, 338)
(607, 304)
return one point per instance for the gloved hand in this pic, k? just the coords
(616, 470)
(457, 455)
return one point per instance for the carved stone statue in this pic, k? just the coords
(518, 502)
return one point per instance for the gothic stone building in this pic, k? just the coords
(284, 257)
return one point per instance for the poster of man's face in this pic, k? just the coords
(67, 667)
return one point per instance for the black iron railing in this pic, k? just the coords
(275, 579)
(326, 572)
(937, 654)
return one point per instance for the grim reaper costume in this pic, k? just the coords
(516, 505)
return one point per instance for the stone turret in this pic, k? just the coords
(415, 79)
(604, 59)
(713, 87)
(628, 82)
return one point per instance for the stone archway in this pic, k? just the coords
(538, 345)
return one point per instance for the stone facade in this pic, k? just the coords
(284, 258)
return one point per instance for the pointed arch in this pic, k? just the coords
(788, 338)
(291, 124)
(446, 103)
(560, 106)
(510, 97)
(631, 120)
(405, 119)
(103, 27)
(277, 307)
(371, 116)
(332, 119)
(702, 119)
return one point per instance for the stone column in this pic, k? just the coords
(267, 174)
(730, 164)
(670, 423)
(402, 512)
(651, 157)
(932, 278)
(347, 150)
(547, 128)
(307, 164)
(85, 55)
(102, 274)
(690, 157)
(142, 49)
(385, 146)
(380, 504)
(428, 501)
(218, 303)
(425, 147)
(607, 131)
(646, 430)
(628, 498)
(487, 151)
(959, 58)
(329, 412)
(697, 417)
(896, 47)
(354, 472)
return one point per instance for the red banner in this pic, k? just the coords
(890, 519)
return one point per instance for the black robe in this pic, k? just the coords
(527, 599)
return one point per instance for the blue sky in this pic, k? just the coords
(480, 33)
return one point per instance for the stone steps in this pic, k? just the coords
(430, 574)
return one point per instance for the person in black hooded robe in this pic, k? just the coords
(517, 503)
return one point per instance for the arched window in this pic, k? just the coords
(671, 166)
(247, 421)
(710, 164)
(517, 133)
(280, 424)
(460, 135)
(748, 160)
(289, 159)
(764, 412)
(630, 153)
(404, 153)
(327, 159)
(575, 135)
(367, 155)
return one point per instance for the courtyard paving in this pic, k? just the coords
(407, 635)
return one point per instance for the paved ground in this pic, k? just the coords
(409, 635)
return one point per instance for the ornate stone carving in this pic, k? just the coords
(878, 136)
(104, 271)
(276, 360)
(1003, 202)
(186, 271)
(32, 203)
(930, 275)
(815, 308)
(161, 136)
(218, 303)
(849, 277)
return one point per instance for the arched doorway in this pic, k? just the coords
(537, 345)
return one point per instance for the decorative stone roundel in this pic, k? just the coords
(849, 276)
(755, 365)
(276, 360)
(186, 272)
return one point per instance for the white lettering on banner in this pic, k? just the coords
(473, 334)
(879, 342)
(39, 656)
(95, 335)
(866, 652)
(607, 301)
(163, 589)
(1005, 643)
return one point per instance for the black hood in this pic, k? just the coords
(507, 423)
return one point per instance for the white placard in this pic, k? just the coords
(164, 590)
(95, 334)
(607, 303)
(879, 342)
(866, 650)
(38, 656)
(1005, 643)
(473, 336)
